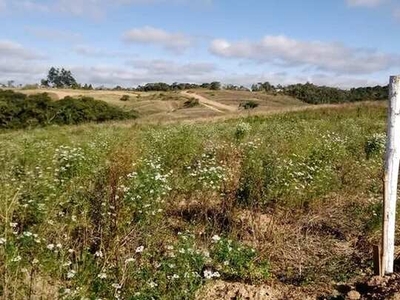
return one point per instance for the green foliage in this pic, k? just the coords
(164, 87)
(59, 79)
(263, 86)
(19, 111)
(215, 85)
(119, 212)
(375, 145)
(236, 261)
(241, 130)
(249, 104)
(314, 94)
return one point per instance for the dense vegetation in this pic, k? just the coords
(314, 94)
(164, 87)
(157, 212)
(18, 110)
(249, 105)
(59, 79)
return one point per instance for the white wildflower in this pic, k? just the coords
(99, 254)
(16, 259)
(71, 274)
(216, 238)
(116, 286)
(152, 284)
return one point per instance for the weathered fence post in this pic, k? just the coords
(392, 160)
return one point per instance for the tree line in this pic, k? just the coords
(314, 94)
(308, 92)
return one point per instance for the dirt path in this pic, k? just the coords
(214, 105)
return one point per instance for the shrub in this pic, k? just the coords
(20, 111)
(241, 130)
(375, 145)
(249, 105)
(125, 98)
(192, 102)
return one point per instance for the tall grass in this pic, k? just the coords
(152, 212)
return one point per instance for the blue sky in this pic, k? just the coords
(129, 42)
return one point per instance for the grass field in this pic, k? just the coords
(182, 211)
(169, 106)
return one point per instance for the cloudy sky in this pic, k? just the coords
(129, 42)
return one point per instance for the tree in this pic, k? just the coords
(44, 82)
(215, 86)
(60, 79)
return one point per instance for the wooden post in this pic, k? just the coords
(392, 160)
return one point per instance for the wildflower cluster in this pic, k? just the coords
(68, 161)
(145, 188)
(375, 145)
(241, 130)
(207, 172)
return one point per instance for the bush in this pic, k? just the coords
(192, 102)
(241, 130)
(20, 111)
(125, 98)
(375, 145)
(249, 105)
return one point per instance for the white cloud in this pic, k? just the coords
(286, 78)
(287, 52)
(54, 34)
(177, 42)
(31, 5)
(95, 52)
(171, 68)
(111, 75)
(365, 3)
(10, 49)
(396, 14)
(21, 72)
(3, 5)
(24, 65)
(84, 8)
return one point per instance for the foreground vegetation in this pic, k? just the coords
(151, 212)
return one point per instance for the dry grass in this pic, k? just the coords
(265, 101)
(168, 106)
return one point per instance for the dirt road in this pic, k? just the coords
(214, 105)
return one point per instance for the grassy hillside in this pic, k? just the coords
(170, 106)
(151, 212)
(265, 101)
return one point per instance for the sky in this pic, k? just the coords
(343, 43)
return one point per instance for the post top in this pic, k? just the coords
(395, 79)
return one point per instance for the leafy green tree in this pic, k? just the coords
(215, 85)
(60, 79)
